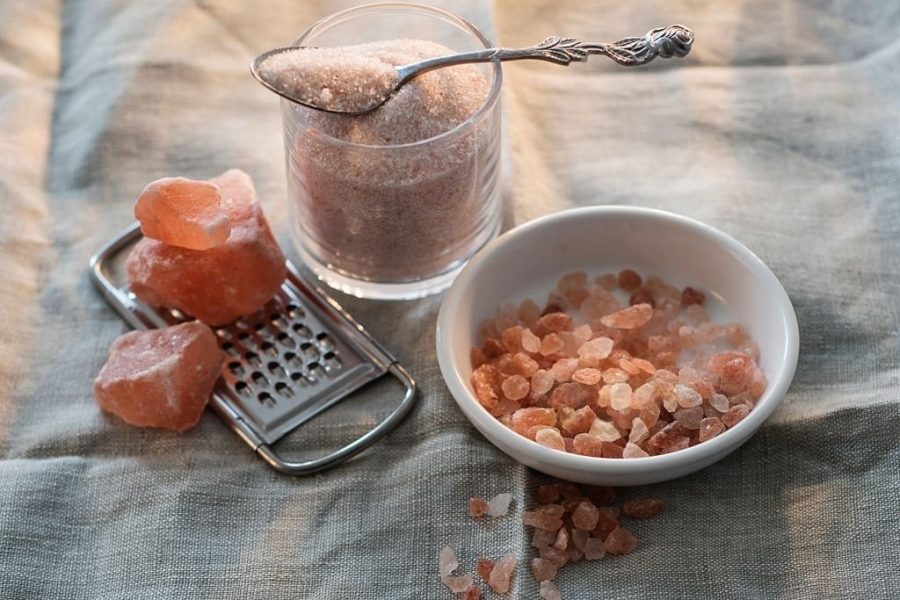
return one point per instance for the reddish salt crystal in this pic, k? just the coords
(547, 516)
(549, 437)
(222, 283)
(686, 397)
(543, 538)
(457, 583)
(492, 348)
(597, 348)
(642, 296)
(542, 569)
(690, 296)
(649, 415)
(629, 280)
(585, 516)
(661, 343)
(601, 495)
(473, 593)
(563, 368)
(526, 418)
(644, 365)
(547, 494)
(607, 281)
(542, 381)
(551, 344)
(632, 450)
(556, 322)
(588, 445)
(498, 506)
(511, 338)
(160, 377)
(574, 421)
(694, 379)
(484, 382)
(666, 360)
(620, 397)
(599, 303)
(719, 402)
(524, 364)
(639, 432)
(587, 376)
(689, 417)
(549, 591)
(579, 538)
(183, 212)
(606, 523)
(572, 281)
(604, 430)
(735, 414)
(688, 336)
(530, 342)
(620, 541)
(484, 567)
(614, 375)
(447, 562)
(501, 574)
(629, 367)
(562, 539)
(477, 507)
(758, 382)
(515, 387)
(529, 312)
(594, 549)
(556, 557)
(710, 428)
(574, 554)
(643, 509)
(575, 395)
(734, 370)
(602, 399)
(644, 396)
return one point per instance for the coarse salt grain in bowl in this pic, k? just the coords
(529, 261)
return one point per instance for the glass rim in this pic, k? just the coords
(489, 102)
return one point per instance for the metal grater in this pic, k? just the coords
(295, 358)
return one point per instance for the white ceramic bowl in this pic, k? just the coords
(528, 261)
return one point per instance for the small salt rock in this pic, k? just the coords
(580, 537)
(710, 428)
(543, 569)
(530, 342)
(478, 507)
(585, 516)
(543, 538)
(473, 593)
(598, 348)
(447, 561)
(562, 539)
(643, 509)
(549, 591)
(557, 557)
(498, 506)
(575, 422)
(620, 541)
(620, 397)
(457, 583)
(605, 430)
(735, 414)
(639, 431)
(542, 381)
(502, 573)
(720, 402)
(594, 549)
(550, 437)
(690, 417)
(515, 387)
(484, 567)
(633, 451)
(687, 397)
(609, 520)
(632, 317)
(586, 444)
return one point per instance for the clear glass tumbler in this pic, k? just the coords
(394, 221)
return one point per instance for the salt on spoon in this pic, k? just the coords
(341, 80)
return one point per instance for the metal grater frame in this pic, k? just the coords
(296, 357)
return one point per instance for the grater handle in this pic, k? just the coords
(358, 445)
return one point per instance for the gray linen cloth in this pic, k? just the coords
(781, 129)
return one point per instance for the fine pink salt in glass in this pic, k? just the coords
(393, 203)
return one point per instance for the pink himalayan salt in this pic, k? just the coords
(498, 506)
(478, 507)
(689, 417)
(473, 593)
(735, 414)
(614, 375)
(594, 549)
(447, 562)
(529, 312)
(551, 344)
(160, 377)
(596, 349)
(562, 369)
(222, 283)
(574, 395)
(525, 418)
(588, 445)
(629, 280)
(549, 437)
(606, 431)
(585, 516)
(629, 318)
(620, 541)
(543, 538)
(633, 451)
(710, 428)
(580, 538)
(183, 212)
(607, 523)
(484, 566)
(515, 387)
(457, 583)
(542, 569)
(620, 396)
(511, 338)
(542, 381)
(555, 322)
(544, 517)
(589, 376)
(687, 397)
(639, 431)
(530, 342)
(549, 591)
(562, 539)
(557, 557)
(502, 573)
(643, 509)
(574, 422)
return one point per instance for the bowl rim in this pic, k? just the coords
(719, 445)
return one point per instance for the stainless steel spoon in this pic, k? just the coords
(666, 42)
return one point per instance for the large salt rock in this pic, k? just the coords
(222, 283)
(182, 212)
(160, 377)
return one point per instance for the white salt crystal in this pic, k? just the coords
(499, 505)
(549, 591)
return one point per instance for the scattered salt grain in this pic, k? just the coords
(549, 591)
(498, 506)
(502, 573)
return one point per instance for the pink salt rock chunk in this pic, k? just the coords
(575, 422)
(502, 573)
(639, 431)
(160, 377)
(542, 381)
(515, 387)
(484, 566)
(594, 549)
(478, 507)
(620, 396)
(530, 342)
(588, 445)
(588, 376)
(557, 557)
(687, 397)
(543, 538)
(620, 541)
(596, 349)
(606, 431)
(458, 583)
(526, 418)
(543, 569)
(629, 318)
(222, 283)
(563, 369)
(549, 591)
(498, 506)
(710, 428)
(580, 537)
(447, 562)
(473, 593)
(562, 539)
(643, 509)
(720, 402)
(183, 212)
(551, 344)
(632, 450)
(549, 437)
(574, 395)
(585, 516)
(546, 517)
(735, 414)
(690, 417)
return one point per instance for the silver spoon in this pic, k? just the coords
(666, 42)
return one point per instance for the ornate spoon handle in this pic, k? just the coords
(666, 42)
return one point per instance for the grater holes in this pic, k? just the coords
(259, 326)
(302, 330)
(315, 370)
(331, 361)
(269, 348)
(324, 341)
(259, 379)
(244, 337)
(294, 311)
(309, 350)
(253, 358)
(303, 380)
(237, 368)
(277, 370)
(285, 339)
(284, 389)
(292, 359)
(242, 388)
(278, 321)
(229, 349)
(266, 399)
